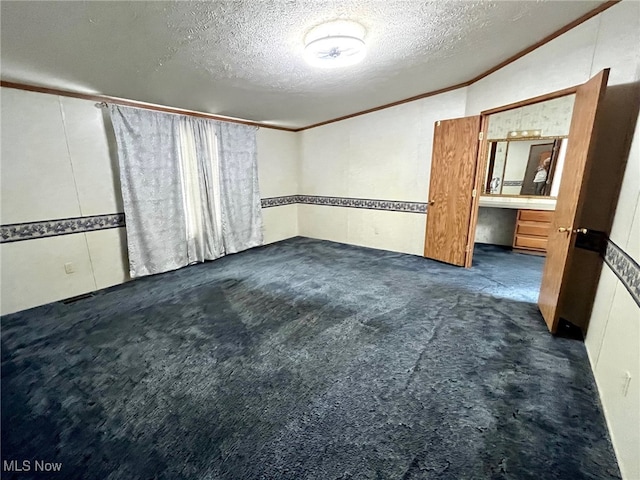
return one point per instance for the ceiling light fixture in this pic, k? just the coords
(335, 44)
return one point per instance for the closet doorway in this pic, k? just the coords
(460, 203)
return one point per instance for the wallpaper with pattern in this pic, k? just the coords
(51, 228)
(553, 117)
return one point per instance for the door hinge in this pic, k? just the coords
(438, 123)
(474, 192)
(480, 136)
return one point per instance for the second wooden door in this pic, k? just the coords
(451, 190)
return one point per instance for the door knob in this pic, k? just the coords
(431, 202)
(581, 230)
(564, 229)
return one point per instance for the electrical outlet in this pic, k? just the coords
(625, 385)
(68, 268)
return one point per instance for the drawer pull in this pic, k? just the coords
(581, 230)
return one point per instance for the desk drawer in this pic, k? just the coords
(543, 216)
(533, 229)
(533, 243)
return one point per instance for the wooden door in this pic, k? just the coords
(453, 178)
(570, 197)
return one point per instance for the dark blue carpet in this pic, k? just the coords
(305, 359)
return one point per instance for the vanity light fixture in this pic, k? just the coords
(335, 44)
(524, 134)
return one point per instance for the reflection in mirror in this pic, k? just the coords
(526, 148)
(525, 166)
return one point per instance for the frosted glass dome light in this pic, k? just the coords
(335, 44)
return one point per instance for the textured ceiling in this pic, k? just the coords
(243, 58)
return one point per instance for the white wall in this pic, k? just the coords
(56, 164)
(58, 161)
(278, 158)
(383, 155)
(613, 339)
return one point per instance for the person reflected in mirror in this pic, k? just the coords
(494, 185)
(542, 173)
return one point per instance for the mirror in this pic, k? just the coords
(527, 167)
(526, 148)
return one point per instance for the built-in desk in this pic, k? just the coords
(527, 228)
(518, 203)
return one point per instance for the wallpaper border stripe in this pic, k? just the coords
(625, 268)
(279, 201)
(622, 264)
(348, 202)
(16, 232)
